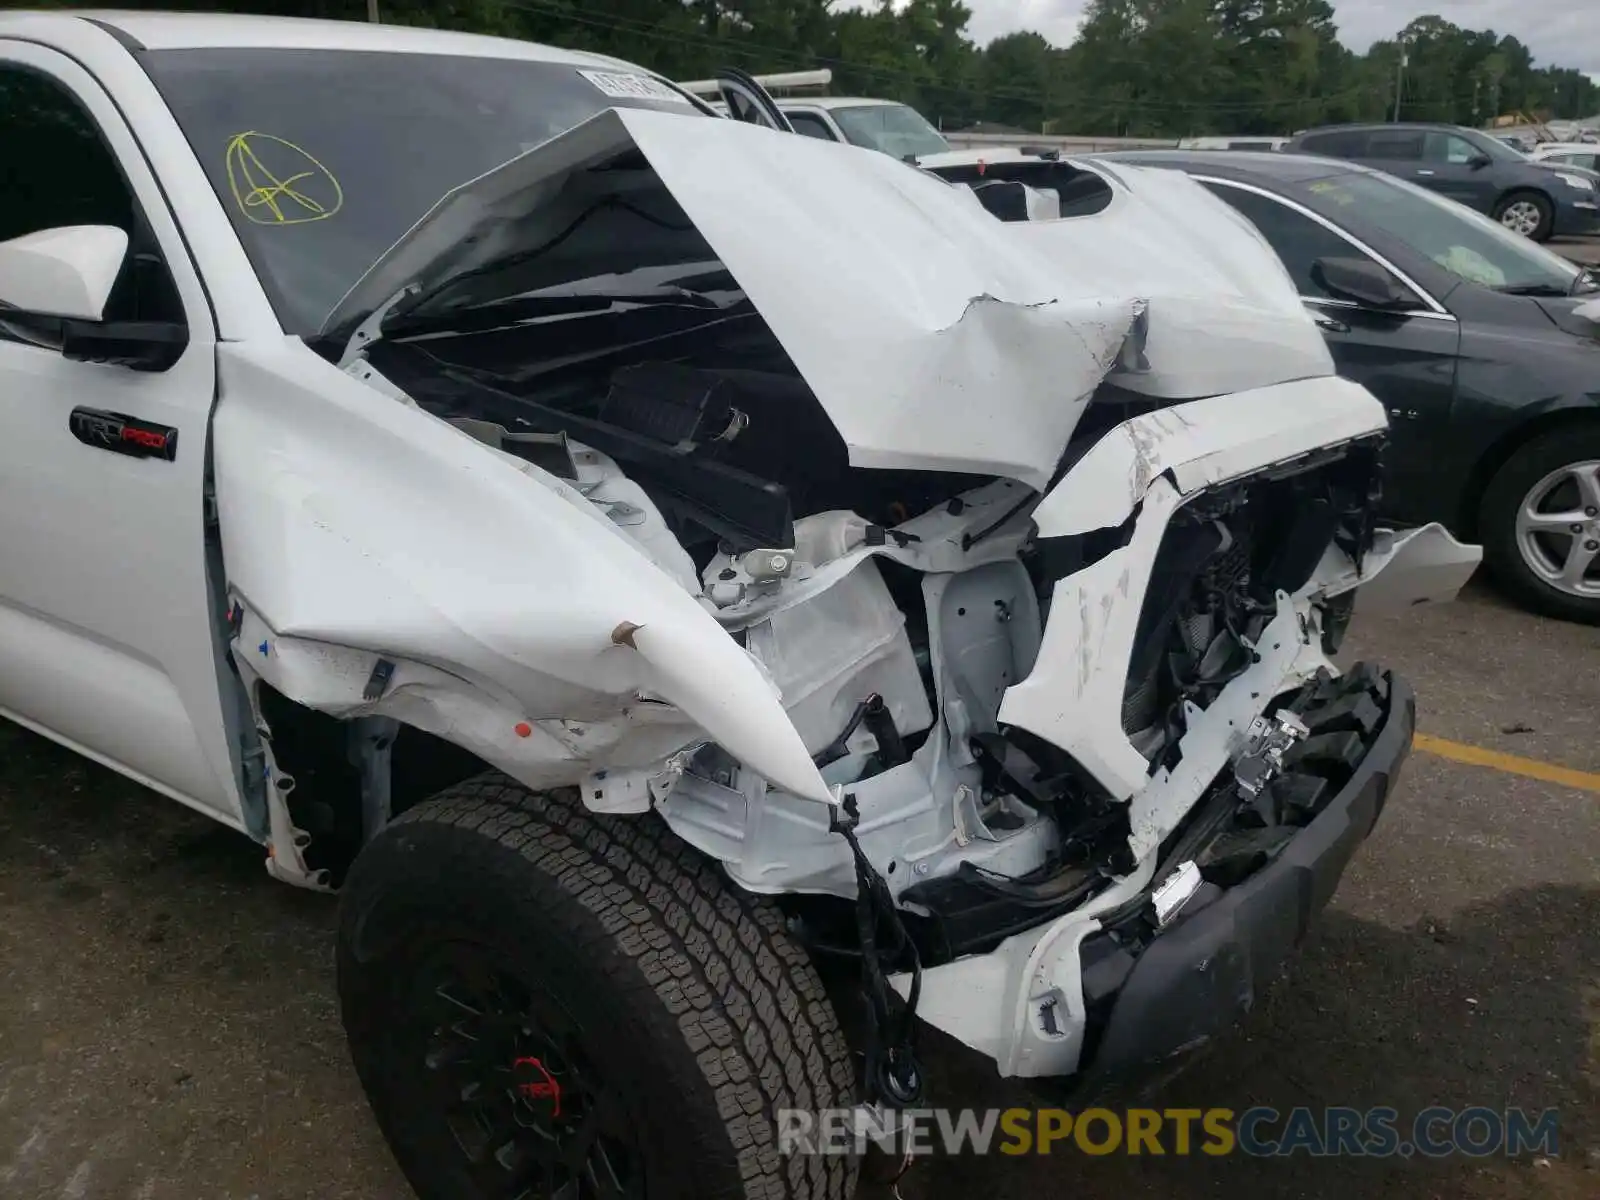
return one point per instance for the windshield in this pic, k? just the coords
(1463, 242)
(324, 158)
(893, 128)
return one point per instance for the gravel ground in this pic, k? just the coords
(1579, 250)
(168, 1028)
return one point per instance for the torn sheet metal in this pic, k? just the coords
(934, 335)
(1205, 442)
(1425, 565)
(1073, 696)
(1224, 315)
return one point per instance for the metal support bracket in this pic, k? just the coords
(371, 740)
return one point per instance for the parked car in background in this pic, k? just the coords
(1477, 342)
(886, 125)
(1233, 143)
(895, 128)
(1536, 199)
(1569, 154)
(1520, 144)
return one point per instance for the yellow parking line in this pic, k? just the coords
(1511, 764)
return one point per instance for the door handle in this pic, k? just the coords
(1424, 171)
(1328, 323)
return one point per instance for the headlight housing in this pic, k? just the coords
(1577, 181)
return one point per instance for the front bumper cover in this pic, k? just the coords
(1103, 993)
(1577, 215)
(1197, 977)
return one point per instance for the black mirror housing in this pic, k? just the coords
(137, 345)
(1364, 282)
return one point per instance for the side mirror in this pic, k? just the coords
(64, 272)
(1364, 282)
(1479, 161)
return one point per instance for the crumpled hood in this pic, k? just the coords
(934, 335)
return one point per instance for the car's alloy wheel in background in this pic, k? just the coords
(1527, 213)
(1541, 524)
(1558, 528)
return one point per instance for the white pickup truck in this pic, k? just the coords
(648, 561)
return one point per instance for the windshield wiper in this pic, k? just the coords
(520, 310)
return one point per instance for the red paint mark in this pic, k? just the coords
(536, 1083)
(522, 729)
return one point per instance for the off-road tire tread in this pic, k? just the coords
(696, 959)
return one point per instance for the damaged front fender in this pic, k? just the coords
(518, 622)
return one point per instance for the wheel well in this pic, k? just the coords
(1500, 452)
(319, 752)
(1525, 189)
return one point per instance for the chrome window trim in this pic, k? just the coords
(1352, 306)
(1435, 310)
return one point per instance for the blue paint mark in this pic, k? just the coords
(263, 649)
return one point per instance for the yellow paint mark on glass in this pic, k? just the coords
(275, 182)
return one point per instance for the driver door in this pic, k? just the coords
(1406, 359)
(748, 101)
(1448, 168)
(106, 628)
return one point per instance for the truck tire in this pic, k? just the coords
(1557, 472)
(536, 996)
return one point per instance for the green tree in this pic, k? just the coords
(1143, 67)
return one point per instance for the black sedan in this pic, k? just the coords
(1484, 347)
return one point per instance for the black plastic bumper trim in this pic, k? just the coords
(1197, 978)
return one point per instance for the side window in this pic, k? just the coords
(1298, 240)
(56, 169)
(1402, 146)
(1448, 148)
(810, 125)
(1344, 144)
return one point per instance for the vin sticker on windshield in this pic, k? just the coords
(622, 85)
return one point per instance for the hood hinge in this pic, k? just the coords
(371, 329)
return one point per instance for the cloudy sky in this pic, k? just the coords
(1560, 32)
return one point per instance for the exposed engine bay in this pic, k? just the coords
(891, 609)
(709, 416)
